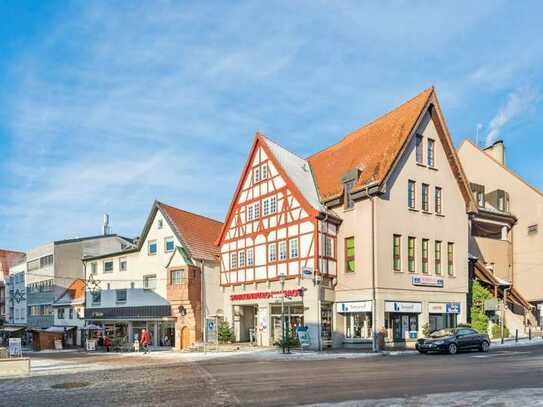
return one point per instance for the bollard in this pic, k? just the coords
(516, 335)
(530, 334)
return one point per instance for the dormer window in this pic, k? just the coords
(348, 198)
(479, 194)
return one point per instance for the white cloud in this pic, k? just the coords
(518, 103)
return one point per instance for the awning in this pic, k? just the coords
(93, 327)
(59, 329)
(12, 328)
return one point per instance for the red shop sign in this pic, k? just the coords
(266, 294)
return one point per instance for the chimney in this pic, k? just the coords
(497, 151)
(106, 228)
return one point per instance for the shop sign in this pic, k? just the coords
(303, 336)
(453, 308)
(444, 308)
(427, 281)
(266, 295)
(307, 272)
(350, 307)
(91, 345)
(407, 307)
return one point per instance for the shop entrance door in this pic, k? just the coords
(185, 337)
(402, 325)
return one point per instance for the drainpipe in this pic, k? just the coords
(319, 286)
(203, 303)
(373, 289)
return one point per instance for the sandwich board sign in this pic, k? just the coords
(15, 348)
(303, 336)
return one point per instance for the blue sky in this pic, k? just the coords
(106, 106)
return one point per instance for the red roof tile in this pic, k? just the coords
(372, 149)
(9, 258)
(197, 232)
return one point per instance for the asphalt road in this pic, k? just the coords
(246, 380)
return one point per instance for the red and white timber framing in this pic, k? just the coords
(270, 228)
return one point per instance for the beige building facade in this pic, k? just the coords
(507, 234)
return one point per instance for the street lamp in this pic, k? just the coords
(283, 324)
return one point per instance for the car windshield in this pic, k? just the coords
(442, 332)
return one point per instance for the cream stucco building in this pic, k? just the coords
(506, 232)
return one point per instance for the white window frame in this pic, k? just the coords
(241, 259)
(149, 244)
(166, 240)
(282, 250)
(146, 279)
(121, 261)
(272, 252)
(104, 266)
(273, 204)
(233, 260)
(294, 248)
(250, 257)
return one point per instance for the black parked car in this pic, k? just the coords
(452, 340)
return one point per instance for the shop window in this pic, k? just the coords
(349, 255)
(358, 325)
(450, 258)
(397, 253)
(437, 257)
(411, 200)
(425, 197)
(411, 254)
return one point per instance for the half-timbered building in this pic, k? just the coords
(370, 234)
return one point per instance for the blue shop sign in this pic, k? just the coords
(453, 308)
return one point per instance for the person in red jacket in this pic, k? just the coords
(145, 340)
(107, 342)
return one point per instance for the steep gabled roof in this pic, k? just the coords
(196, 232)
(371, 149)
(291, 167)
(75, 293)
(375, 148)
(502, 166)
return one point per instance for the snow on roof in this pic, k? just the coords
(299, 172)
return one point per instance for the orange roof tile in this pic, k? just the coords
(9, 258)
(197, 232)
(372, 149)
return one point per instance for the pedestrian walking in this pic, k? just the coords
(145, 340)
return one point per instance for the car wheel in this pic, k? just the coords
(484, 346)
(452, 348)
(422, 351)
